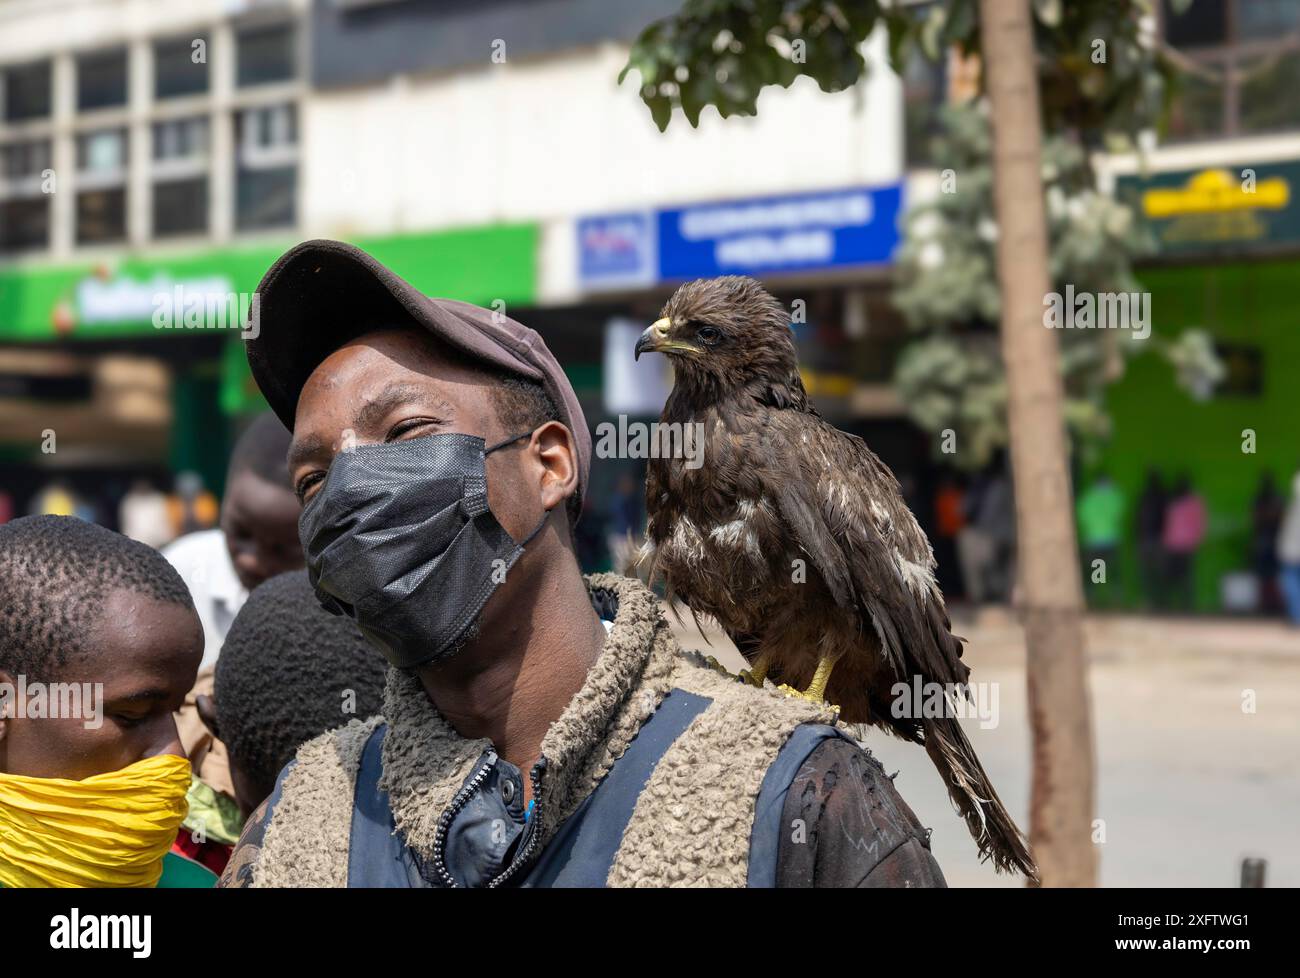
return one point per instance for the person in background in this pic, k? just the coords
(191, 506)
(1150, 527)
(93, 795)
(1266, 525)
(986, 545)
(289, 671)
(257, 539)
(1184, 529)
(57, 498)
(625, 523)
(1101, 528)
(143, 515)
(1288, 553)
(949, 521)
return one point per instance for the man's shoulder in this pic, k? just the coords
(846, 825)
(741, 701)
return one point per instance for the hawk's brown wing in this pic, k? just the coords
(846, 509)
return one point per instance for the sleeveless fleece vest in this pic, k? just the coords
(692, 821)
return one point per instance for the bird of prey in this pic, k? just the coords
(795, 537)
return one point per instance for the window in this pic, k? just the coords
(101, 156)
(1204, 22)
(181, 140)
(24, 162)
(25, 223)
(1245, 63)
(180, 67)
(101, 186)
(180, 172)
(925, 90)
(180, 207)
(27, 92)
(101, 80)
(24, 204)
(266, 167)
(265, 55)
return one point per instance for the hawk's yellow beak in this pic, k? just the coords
(655, 339)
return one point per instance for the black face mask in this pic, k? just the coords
(400, 539)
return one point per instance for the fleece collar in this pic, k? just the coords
(425, 761)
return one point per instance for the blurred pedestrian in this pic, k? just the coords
(1150, 527)
(625, 522)
(143, 515)
(257, 538)
(56, 498)
(93, 788)
(1101, 530)
(1288, 553)
(1185, 523)
(949, 521)
(1266, 524)
(986, 545)
(191, 506)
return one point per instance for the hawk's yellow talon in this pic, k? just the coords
(717, 666)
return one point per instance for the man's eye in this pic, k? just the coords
(128, 720)
(305, 483)
(406, 427)
(709, 334)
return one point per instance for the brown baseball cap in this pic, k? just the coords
(321, 294)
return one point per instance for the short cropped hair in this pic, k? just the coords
(56, 572)
(284, 672)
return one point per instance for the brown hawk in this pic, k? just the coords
(795, 537)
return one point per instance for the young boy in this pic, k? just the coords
(289, 671)
(99, 643)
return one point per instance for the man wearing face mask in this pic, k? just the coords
(539, 728)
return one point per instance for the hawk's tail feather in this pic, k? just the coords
(993, 829)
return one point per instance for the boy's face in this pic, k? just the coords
(145, 653)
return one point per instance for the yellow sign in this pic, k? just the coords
(1216, 192)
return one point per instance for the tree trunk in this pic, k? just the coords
(1061, 806)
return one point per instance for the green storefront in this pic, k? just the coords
(1229, 264)
(111, 308)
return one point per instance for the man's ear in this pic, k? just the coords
(207, 709)
(559, 457)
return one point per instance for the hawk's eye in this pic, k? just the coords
(709, 334)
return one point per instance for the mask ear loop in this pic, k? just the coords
(508, 441)
(546, 513)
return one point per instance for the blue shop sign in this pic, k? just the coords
(786, 233)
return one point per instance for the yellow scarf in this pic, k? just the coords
(108, 830)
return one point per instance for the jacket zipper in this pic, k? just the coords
(531, 829)
(462, 798)
(444, 821)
